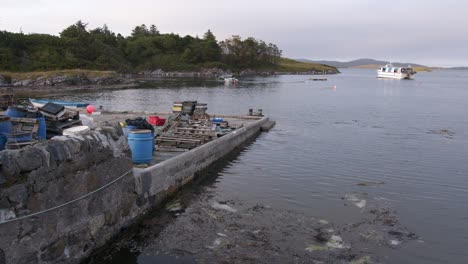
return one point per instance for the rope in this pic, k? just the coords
(67, 203)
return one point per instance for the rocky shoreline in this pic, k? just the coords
(125, 80)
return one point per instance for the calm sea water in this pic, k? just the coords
(330, 136)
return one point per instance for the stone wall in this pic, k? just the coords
(55, 172)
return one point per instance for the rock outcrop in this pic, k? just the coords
(62, 80)
(5, 80)
(204, 73)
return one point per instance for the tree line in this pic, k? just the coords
(145, 49)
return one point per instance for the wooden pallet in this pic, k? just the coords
(25, 125)
(177, 141)
(68, 114)
(195, 131)
(59, 127)
(18, 145)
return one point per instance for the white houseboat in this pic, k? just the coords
(389, 71)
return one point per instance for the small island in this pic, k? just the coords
(100, 57)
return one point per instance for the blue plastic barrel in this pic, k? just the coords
(128, 128)
(5, 124)
(3, 141)
(154, 142)
(13, 111)
(218, 120)
(141, 145)
(42, 131)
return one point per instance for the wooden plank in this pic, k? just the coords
(178, 139)
(69, 123)
(68, 114)
(24, 120)
(213, 133)
(29, 125)
(199, 137)
(193, 129)
(18, 145)
(58, 127)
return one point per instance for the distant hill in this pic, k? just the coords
(360, 63)
(459, 68)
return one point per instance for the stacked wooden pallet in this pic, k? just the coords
(187, 134)
(25, 125)
(59, 118)
(22, 127)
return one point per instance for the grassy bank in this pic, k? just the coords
(289, 65)
(284, 65)
(52, 73)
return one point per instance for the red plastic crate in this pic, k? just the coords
(156, 120)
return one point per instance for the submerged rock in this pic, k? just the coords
(363, 260)
(260, 234)
(174, 207)
(225, 207)
(371, 183)
(442, 132)
(361, 203)
(336, 242)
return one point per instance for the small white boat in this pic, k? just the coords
(389, 71)
(231, 80)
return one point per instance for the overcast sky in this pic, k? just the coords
(429, 32)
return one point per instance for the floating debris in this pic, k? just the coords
(361, 204)
(216, 243)
(371, 235)
(336, 242)
(174, 207)
(323, 222)
(225, 207)
(395, 242)
(363, 260)
(442, 132)
(312, 248)
(370, 183)
(221, 234)
(403, 236)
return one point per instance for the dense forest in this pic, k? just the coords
(145, 49)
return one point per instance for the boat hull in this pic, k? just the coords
(42, 102)
(394, 75)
